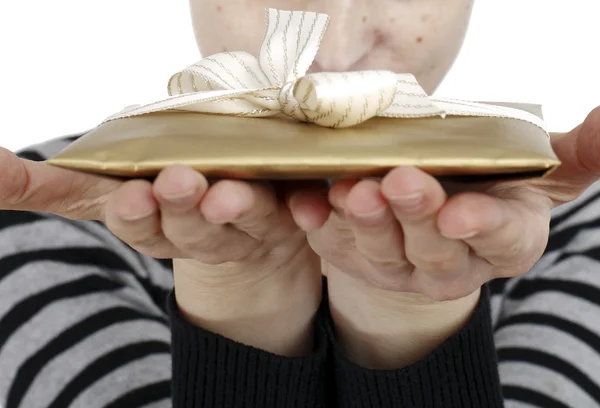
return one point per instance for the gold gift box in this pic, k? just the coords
(280, 148)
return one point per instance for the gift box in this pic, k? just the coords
(241, 116)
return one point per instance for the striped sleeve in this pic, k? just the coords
(547, 323)
(82, 316)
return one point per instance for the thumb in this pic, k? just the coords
(579, 152)
(36, 186)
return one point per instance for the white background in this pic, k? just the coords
(67, 64)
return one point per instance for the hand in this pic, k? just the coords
(243, 263)
(242, 266)
(405, 235)
(132, 209)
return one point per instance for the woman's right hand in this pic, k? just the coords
(241, 267)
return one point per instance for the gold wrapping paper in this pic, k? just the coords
(282, 148)
(234, 114)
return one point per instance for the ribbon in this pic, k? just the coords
(275, 82)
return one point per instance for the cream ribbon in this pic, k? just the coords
(240, 84)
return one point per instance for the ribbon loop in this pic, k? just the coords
(290, 44)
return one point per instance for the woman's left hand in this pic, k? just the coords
(405, 234)
(406, 241)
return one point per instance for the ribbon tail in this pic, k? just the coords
(202, 102)
(456, 107)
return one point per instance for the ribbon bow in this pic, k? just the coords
(240, 84)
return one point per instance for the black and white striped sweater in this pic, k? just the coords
(84, 323)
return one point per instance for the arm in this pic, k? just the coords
(395, 349)
(407, 234)
(241, 234)
(82, 316)
(544, 331)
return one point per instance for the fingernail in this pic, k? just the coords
(409, 203)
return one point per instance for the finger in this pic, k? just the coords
(338, 194)
(179, 190)
(505, 232)
(250, 207)
(309, 207)
(132, 214)
(579, 152)
(415, 198)
(34, 186)
(377, 234)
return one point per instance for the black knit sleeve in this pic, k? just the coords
(210, 371)
(461, 373)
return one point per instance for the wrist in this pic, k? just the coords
(268, 305)
(387, 330)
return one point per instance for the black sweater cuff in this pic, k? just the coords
(461, 373)
(212, 371)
